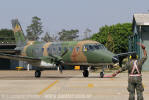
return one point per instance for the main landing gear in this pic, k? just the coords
(101, 74)
(37, 73)
(85, 73)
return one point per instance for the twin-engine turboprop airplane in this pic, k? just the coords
(43, 55)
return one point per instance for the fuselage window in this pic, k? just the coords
(70, 48)
(50, 49)
(65, 48)
(54, 49)
(42, 49)
(77, 48)
(59, 48)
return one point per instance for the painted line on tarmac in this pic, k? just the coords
(143, 85)
(90, 85)
(45, 89)
(112, 79)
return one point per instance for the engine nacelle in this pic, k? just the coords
(48, 65)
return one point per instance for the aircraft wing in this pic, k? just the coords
(125, 54)
(18, 57)
(10, 51)
(34, 61)
(11, 54)
(121, 56)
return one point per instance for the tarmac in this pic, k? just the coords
(71, 85)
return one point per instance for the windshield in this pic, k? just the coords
(94, 47)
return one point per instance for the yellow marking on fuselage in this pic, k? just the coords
(77, 68)
(25, 47)
(17, 28)
(45, 52)
(78, 56)
(45, 89)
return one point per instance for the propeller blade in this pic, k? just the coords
(60, 69)
(59, 61)
(64, 52)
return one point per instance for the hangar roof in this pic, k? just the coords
(141, 19)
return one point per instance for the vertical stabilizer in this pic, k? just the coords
(18, 33)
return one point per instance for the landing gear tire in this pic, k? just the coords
(37, 74)
(85, 73)
(101, 74)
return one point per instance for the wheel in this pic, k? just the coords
(85, 73)
(101, 74)
(37, 73)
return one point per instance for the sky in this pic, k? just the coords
(70, 14)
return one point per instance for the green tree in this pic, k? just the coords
(114, 37)
(35, 29)
(7, 35)
(68, 35)
(47, 37)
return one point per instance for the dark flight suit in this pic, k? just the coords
(134, 68)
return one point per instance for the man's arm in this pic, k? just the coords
(124, 68)
(143, 59)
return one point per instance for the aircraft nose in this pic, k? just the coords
(115, 59)
(106, 57)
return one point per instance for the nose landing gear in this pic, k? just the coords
(101, 74)
(37, 73)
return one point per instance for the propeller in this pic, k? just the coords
(58, 60)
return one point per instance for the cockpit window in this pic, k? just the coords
(93, 47)
(97, 47)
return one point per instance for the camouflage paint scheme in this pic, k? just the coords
(72, 57)
(78, 52)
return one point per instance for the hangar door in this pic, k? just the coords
(4, 64)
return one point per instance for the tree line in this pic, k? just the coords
(114, 37)
(35, 30)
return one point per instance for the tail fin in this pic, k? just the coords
(18, 33)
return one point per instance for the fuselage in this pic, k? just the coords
(87, 52)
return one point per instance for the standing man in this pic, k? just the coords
(134, 67)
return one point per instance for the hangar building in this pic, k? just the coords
(140, 34)
(7, 44)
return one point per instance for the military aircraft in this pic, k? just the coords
(43, 55)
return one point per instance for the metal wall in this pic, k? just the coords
(141, 34)
(145, 41)
(6, 64)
